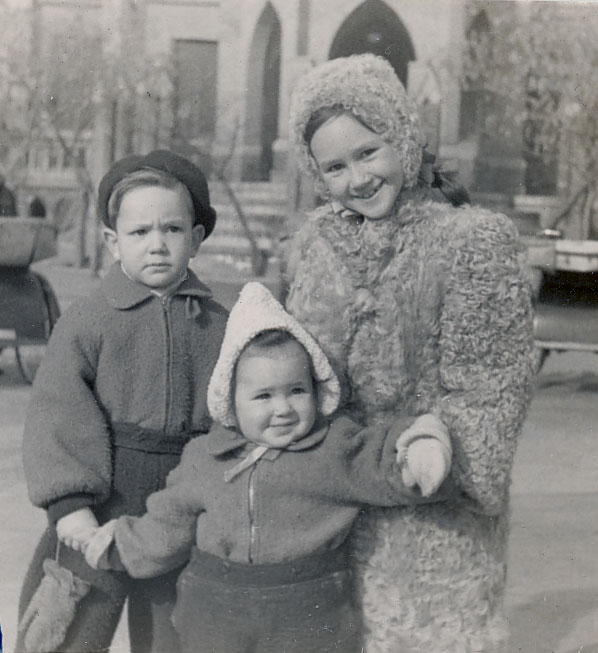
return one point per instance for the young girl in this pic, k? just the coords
(422, 307)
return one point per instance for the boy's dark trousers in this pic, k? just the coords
(305, 606)
(149, 609)
(137, 473)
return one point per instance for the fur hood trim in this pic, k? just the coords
(367, 86)
(256, 311)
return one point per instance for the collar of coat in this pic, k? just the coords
(223, 440)
(123, 293)
(403, 209)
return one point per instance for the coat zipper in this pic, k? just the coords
(166, 313)
(251, 514)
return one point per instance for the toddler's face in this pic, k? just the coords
(361, 170)
(275, 402)
(154, 236)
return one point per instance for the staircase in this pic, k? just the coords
(264, 205)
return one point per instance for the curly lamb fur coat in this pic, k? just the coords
(427, 311)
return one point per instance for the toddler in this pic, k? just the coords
(260, 509)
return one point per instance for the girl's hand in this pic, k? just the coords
(77, 528)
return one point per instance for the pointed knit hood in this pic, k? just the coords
(256, 311)
(368, 87)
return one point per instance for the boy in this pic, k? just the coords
(122, 389)
(263, 505)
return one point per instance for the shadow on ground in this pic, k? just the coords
(546, 620)
(576, 382)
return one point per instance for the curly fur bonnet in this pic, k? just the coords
(256, 311)
(367, 86)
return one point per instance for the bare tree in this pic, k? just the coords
(50, 100)
(65, 87)
(535, 67)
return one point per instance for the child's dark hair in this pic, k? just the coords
(446, 182)
(322, 115)
(430, 175)
(272, 338)
(140, 179)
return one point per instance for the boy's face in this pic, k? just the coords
(361, 170)
(154, 236)
(275, 402)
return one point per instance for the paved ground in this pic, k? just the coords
(552, 594)
(553, 569)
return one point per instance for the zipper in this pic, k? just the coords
(167, 407)
(251, 514)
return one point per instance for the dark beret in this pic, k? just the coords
(173, 164)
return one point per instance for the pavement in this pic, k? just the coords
(552, 589)
(552, 586)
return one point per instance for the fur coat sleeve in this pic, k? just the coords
(486, 362)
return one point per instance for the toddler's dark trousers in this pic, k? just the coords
(150, 602)
(307, 606)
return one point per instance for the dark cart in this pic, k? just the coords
(28, 305)
(565, 274)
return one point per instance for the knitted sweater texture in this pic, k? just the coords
(120, 363)
(288, 505)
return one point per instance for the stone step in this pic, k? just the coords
(259, 229)
(254, 211)
(264, 205)
(236, 229)
(236, 252)
(260, 192)
(260, 224)
(235, 243)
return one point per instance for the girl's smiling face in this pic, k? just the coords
(361, 170)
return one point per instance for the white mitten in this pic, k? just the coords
(424, 452)
(427, 465)
(96, 553)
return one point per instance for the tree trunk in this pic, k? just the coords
(82, 260)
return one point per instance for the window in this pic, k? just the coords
(195, 89)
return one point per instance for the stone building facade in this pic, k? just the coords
(251, 52)
(229, 66)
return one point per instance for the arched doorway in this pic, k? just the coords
(37, 208)
(261, 126)
(374, 27)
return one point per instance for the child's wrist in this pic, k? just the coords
(68, 505)
(425, 426)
